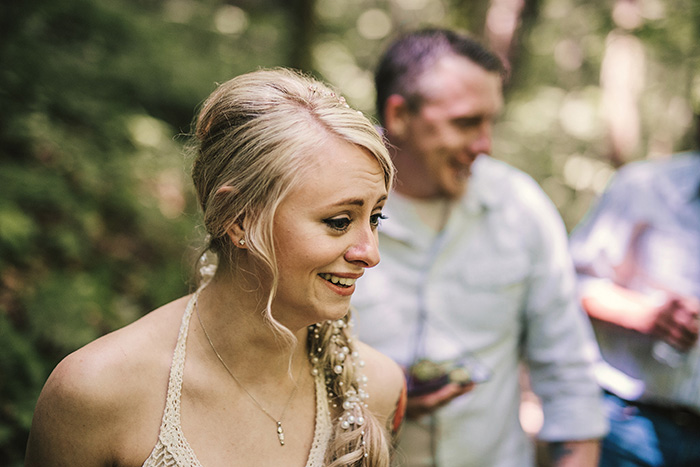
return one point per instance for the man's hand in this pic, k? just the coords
(418, 406)
(676, 322)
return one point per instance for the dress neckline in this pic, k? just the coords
(172, 448)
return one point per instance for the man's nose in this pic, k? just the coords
(481, 144)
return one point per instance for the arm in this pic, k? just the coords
(559, 345)
(674, 319)
(398, 415)
(98, 407)
(573, 453)
(606, 301)
(66, 430)
(386, 386)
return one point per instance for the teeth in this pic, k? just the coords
(342, 281)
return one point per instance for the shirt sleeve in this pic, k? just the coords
(600, 244)
(558, 342)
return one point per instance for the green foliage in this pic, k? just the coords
(557, 125)
(23, 375)
(96, 216)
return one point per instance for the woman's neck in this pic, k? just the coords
(233, 315)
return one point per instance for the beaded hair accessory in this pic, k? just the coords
(208, 263)
(328, 93)
(352, 399)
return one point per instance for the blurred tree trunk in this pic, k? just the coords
(503, 25)
(517, 53)
(695, 75)
(471, 15)
(302, 30)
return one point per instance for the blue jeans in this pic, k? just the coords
(643, 437)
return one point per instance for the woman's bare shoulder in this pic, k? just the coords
(385, 381)
(125, 356)
(95, 392)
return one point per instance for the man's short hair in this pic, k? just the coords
(409, 56)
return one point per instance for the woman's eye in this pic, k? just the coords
(337, 223)
(376, 219)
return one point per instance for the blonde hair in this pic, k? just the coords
(253, 136)
(358, 438)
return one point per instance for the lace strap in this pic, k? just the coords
(172, 448)
(177, 368)
(324, 427)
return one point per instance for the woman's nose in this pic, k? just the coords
(365, 249)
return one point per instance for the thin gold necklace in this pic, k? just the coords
(278, 421)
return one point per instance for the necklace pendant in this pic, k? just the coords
(280, 433)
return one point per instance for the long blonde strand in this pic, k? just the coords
(358, 439)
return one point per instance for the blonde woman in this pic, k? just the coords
(259, 366)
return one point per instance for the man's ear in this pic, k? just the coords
(396, 113)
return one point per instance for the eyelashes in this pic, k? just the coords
(376, 219)
(341, 224)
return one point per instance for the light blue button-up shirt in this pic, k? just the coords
(497, 282)
(644, 234)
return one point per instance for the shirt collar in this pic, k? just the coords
(483, 192)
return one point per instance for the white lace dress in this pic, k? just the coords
(172, 448)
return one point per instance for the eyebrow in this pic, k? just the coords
(356, 201)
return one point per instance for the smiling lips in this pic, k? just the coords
(339, 281)
(343, 286)
(461, 169)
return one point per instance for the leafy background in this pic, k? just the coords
(97, 219)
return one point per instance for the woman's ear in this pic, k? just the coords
(235, 232)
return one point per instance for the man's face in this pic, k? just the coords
(439, 141)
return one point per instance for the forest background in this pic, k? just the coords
(98, 222)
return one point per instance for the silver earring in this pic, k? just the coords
(241, 241)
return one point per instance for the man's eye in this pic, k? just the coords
(376, 219)
(337, 223)
(467, 122)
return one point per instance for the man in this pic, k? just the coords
(638, 256)
(474, 269)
